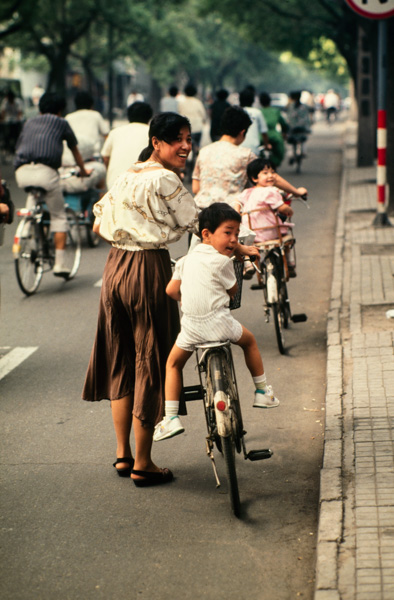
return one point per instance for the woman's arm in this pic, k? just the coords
(195, 186)
(173, 289)
(284, 185)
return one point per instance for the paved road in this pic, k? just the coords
(71, 529)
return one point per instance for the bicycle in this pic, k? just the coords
(274, 274)
(33, 248)
(82, 205)
(219, 391)
(296, 138)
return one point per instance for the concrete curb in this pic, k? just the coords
(331, 505)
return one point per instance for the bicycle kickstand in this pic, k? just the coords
(211, 456)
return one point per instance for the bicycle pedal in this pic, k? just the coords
(300, 318)
(259, 454)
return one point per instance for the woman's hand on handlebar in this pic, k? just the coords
(301, 191)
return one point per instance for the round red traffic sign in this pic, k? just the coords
(373, 9)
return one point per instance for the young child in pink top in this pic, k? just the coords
(265, 196)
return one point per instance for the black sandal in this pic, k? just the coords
(164, 476)
(125, 471)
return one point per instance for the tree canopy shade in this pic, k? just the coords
(293, 25)
(53, 27)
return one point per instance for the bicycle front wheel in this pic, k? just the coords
(73, 243)
(279, 326)
(28, 263)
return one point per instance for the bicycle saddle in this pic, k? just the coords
(33, 189)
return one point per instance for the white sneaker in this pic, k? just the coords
(60, 271)
(167, 428)
(265, 398)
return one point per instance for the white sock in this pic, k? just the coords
(59, 256)
(260, 382)
(171, 408)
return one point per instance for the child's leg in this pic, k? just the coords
(264, 395)
(173, 385)
(171, 424)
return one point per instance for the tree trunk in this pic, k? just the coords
(58, 72)
(366, 142)
(155, 95)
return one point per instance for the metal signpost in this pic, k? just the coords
(379, 9)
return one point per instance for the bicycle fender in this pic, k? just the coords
(222, 416)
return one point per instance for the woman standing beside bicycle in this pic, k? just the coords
(145, 210)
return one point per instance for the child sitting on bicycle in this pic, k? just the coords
(260, 203)
(204, 280)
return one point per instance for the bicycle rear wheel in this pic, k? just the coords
(219, 375)
(28, 262)
(73, 249)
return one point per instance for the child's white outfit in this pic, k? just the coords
(206, 275)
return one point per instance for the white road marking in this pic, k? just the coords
(99, 283)
(14, 358)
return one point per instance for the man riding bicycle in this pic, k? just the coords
(37, 160)
(299, 121)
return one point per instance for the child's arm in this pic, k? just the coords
(173, 289)
(287, 187)
(286, 210)
(232, 291)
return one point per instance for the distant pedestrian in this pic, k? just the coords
(193, 109)
(134, 96)
(170, 103)
(124, 144)
(257, 132)
(217, 109)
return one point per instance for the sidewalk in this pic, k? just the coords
(355, 550)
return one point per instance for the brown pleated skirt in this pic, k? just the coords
(137, 327)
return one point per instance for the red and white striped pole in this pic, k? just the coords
(381, 218)
(381, 176)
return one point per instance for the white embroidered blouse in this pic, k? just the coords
(146, 208)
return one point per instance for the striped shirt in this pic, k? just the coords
(205, 275)
(41, 141)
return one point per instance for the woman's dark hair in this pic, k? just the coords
(256, 166)
(234, 120)
(83, 100)
(214, 215)
(173, 91)
(190, 90)
(139, 112)
(145, 154)
(166, 127)
(265, 99)
(51, 103)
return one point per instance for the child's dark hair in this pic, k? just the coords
(259, 164)
(214, 215)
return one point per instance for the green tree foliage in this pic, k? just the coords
(293, 25)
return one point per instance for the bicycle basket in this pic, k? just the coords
(239, 269)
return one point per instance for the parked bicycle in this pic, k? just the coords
(219, 391)
(274, 275)
(33, 247)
